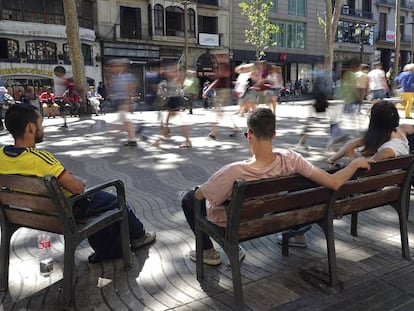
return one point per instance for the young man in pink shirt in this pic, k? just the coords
(264, 163)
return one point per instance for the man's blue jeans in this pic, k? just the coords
(107, 242)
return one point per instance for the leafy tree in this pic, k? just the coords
(262, 31)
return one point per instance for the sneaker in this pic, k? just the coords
(211, 259)
(242, 255)
(148, 238)
(130, 143)
(296, 241)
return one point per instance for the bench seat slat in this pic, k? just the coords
(259, 207)
(278, 184)
(29, 184)
(34, 220)
(367, 201)
(281, 221)
(32, 201)
(371, 183)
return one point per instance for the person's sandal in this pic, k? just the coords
(186, 144)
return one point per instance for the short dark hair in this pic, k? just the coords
(18, 116)
(262, 123)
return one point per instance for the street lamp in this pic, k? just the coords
(185, 3)
(362, 32)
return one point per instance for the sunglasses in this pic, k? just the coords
(246, 132)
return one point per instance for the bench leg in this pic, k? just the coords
(330, 242)
(236, 276)
(404, 235)
(4, 257)
(68, 274)
(354, 224)
(126, 250)
(199, 254)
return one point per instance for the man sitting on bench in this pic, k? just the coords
(24, 123)
(265, 163)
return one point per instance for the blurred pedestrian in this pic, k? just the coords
(377, 83)
(406, 81)
(221, 85)
(274, 81)
(72, 100)
(246, 98)
(173, 96)
(191, 88)
(362, 84)
(122, 86)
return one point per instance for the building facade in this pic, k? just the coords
(34, 50)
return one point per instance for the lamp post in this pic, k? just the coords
(362, 32)
(185, 4)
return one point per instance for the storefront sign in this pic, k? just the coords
(208, 39)
(26, 70)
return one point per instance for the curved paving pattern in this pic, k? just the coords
(163, 277)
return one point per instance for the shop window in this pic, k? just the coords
(175, 21)
(9, 49)
(38, 50)
(159, 19)
(130, 23)
(207, 24)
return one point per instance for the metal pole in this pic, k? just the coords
(397, 37)
(412, 38)
(185, 2)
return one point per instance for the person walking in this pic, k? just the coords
(122, 86)
(406, 81)
(377, 83)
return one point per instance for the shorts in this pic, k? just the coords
(378, 94)
(173, 103)
(223, 97)
(272, 92)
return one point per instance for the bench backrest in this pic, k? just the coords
(34, 202)
(271, 205)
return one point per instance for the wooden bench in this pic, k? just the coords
(39, 203)
(263, 207)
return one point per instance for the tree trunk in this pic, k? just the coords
(75, 50)
(331, 28)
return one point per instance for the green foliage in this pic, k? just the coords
(262, 31)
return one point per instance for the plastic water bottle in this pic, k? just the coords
(44, 244)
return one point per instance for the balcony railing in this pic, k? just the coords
(356, 13)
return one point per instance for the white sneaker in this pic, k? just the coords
(296, 241)
(211, 259)
(242, 255)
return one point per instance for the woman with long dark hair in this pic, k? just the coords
(385, 137)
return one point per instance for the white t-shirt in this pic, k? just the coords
(376, 79)
(218, 188)
(398, 146)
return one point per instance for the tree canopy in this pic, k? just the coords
(262, 31)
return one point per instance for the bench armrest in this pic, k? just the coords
(119, 186)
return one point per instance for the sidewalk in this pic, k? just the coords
(374, 275)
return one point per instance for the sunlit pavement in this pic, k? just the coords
(163, 278)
